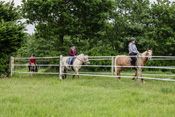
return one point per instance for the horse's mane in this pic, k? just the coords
(80, 54)
(144, 53)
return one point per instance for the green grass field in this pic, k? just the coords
(45, 95)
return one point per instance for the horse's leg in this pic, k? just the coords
(73, 76)
(62, 71)
(65, 75)
(118, 73)
(76, 71)
(142, 78)
(36, 68)
(29, 68)
(134, 76)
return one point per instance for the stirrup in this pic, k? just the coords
(69, 67)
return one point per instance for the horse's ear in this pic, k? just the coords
(151, 49)
(147, 49)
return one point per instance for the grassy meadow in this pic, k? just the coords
(45, 95)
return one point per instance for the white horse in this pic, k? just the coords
(79, 60)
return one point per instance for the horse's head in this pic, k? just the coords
(149, 54)
(86, 60)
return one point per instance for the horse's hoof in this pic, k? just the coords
(143, 82)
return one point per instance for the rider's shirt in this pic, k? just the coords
(132, 48)
(32, 60)
(72, 52)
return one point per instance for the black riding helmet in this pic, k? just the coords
(133, 39)
(72, 45)
(33, 54)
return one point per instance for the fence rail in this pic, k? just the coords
(16, 58)
(37, 65)
(97, 58)
(167, 79)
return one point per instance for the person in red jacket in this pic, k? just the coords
(32, 60)
(72, 53)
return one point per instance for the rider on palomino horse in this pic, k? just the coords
(133, 51)
(32, 60)
(127, 62)
(72, 53)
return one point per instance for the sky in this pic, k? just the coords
(30, 28)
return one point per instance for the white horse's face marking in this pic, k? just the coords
(86, 60)
(149, 54)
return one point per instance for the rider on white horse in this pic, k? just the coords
(72, 53)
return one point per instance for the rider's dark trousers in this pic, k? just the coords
(30, 65)
(133, 59)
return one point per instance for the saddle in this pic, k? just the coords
(133, 62)
(67, 61)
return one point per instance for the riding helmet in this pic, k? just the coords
(72, 45)
(33, 54)
(133, 39)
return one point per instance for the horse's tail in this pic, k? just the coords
(63, 64)
(116, 64)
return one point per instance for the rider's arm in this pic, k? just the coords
(133, 48)
(75, 53)
(30, 60)
(34, 60)
(70, 52)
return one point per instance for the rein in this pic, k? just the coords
(79, 59)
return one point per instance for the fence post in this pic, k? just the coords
(11, 66)
(60, 70)
(138, 69)
(112, 66)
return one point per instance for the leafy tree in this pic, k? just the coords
(69, 17)
(163, 14)
(11, 33)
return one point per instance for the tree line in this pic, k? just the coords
(96, 27)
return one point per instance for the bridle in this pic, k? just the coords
(149, 55)
(79, 59)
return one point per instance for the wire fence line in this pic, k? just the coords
(172, 57)
(130, 74)
(167, 79)
(156, 67)
(98, 59)
(36, 72)
(37, 65)
(16, 58)
(129, 56)
(28, 60)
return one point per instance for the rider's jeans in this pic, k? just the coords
(70, 60)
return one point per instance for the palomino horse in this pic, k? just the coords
(123, 60)
(33, 67)
(79, 60)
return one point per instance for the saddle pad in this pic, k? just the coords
(67, 61)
